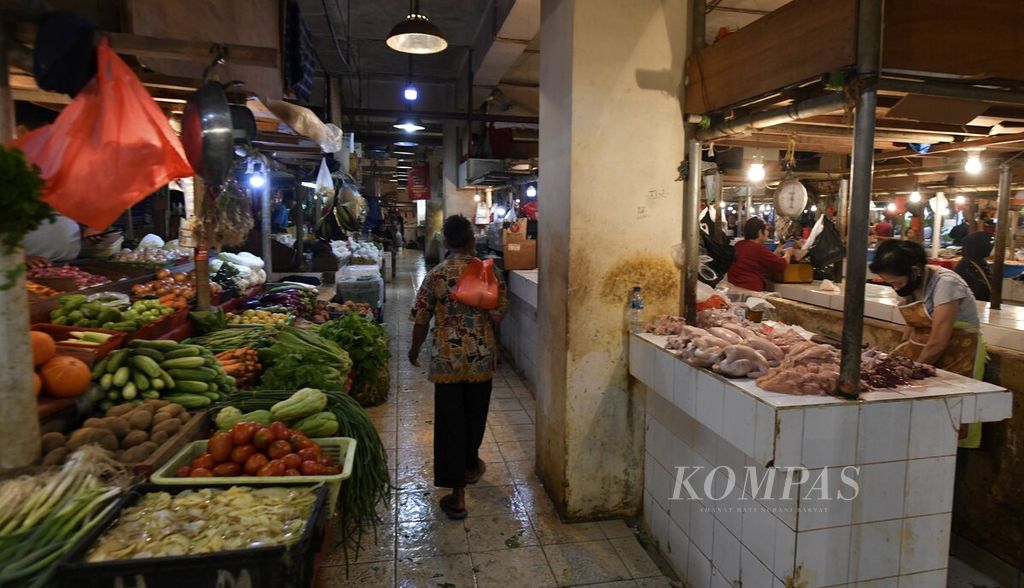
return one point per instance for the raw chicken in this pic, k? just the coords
(741, 361)
(726, 335)
(667, 324)
(771, 352)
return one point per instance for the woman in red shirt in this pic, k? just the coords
(753, 260)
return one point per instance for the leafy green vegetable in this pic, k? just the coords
(208, 321)
(303, 359)
(24, 209)
(367, 344)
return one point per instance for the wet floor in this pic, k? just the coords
(512, 537)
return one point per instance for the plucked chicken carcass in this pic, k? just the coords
(666, 324)
(704, 351)
(771, 352)
(808, 369)
(727, 335)
(741, 361)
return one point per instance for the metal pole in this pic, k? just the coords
(19, 436)
(265, 230)
(691, 234)
(202, 253)
(1005, 177)
(869, 48)
(937, 225)
(842, 214)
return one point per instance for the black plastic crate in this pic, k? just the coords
(277, 566)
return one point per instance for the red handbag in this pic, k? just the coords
(478, 285)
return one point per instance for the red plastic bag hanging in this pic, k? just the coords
(477, 286)
(108, 149)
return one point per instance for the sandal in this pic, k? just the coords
(456, 514)
(473, 476)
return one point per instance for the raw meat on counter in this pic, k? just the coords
(666, 324)
(886, 370)
(813, 379)
(741, 361)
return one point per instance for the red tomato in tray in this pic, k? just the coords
(292, 472)
(332, 470)
(279, 449)
(220, 446)
(183, 472)
(201, 473)
(312, 468)
(242, 453)
(310, 453)
(242, 433)
(204, 461)
(227, 470)
(273, 468)
(263, 438)
(280, 431)
(298, 441)
(254, 464)
(292, 460)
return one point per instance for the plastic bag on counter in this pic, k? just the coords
(477, 286)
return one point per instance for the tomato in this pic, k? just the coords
(201, 473)
(292, 460)
(204, 461)
(280, 430)
(312, 468)
(254, 463)
(242, 453)
(292, 472)
(279, 449)
(242, 433)
(228, 470)
(220, 447)
(263, 438)
(183, 472)
(273, 468)
(310, 453)
(325, 460)
(332, 470)
(298, 440)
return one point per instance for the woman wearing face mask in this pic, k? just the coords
(940, 312)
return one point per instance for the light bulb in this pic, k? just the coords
(410, 93)
(257, 180)
(814, 208)
(531, 191)
(756, 172)
(973, 164)
(915, 196)
(476, 198)
(891, 207)
(960, 199)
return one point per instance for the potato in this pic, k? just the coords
(150, 447)
(55, 456)
(134, 455)
(136, 437)
(92, 423)
(159, 437)
(140, 419)
(51, 441)
(93, 436)
(117, 425)
(120, 409)
(160, 417)
(170, 427)
(143, 407)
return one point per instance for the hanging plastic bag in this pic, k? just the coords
(828, 247)
(477, 286)
(110, 148)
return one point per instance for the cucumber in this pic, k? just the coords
(211, 395)
(129, 392)
(146, 365)
(114, 395)
(189, 387)
(200, 374)
(121, 376)
(157, 384)
(167, 380)
(183, 363)
(189, 401)
(106, 381)
(160, 345)
(99, 369)
(147, 352)
(140, 380)
(150, 394)
(116, 359)
(184, 351)
(213, 387)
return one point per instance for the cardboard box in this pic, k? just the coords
(516, 233)
(521, 255)
(795, 273)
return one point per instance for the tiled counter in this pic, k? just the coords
(519, 329)
(894, 533)
(1002, 328)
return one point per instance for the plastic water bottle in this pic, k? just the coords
(636, 311)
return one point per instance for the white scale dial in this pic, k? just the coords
(790, 198)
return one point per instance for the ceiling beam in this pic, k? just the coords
(902, 125)
(988, 141)
(434, 115)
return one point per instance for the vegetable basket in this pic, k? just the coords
(88, 353)
(342, 449)
(291, 565)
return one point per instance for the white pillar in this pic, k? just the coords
(611, 139)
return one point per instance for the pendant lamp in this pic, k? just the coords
(416, 34)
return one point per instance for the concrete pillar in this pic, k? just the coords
(611, 139)
(455, 201)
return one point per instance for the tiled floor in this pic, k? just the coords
(512, 537)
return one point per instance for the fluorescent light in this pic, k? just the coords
(406, 144)
(755, 173)
(410, 93)
(309, 185)
(403, 153)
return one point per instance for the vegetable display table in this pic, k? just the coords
(877, 475)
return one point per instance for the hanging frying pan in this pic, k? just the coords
(207, 133)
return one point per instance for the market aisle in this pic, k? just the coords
(512, 538)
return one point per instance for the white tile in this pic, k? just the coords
(874, 550)
(702, 528)
(819, 506)
(785, 551)
(883, 432)
(728, 507)
(994, 406)
(753, 572)
(705, 441)
(782, 504)
(710, 401)
(880, 495)
(883, 583)
(679, 510)
(718, 579)
(789, 437)
(641, 360)
(658, 518)
(933, 430)
(830, 436)
(664, 373)
(685, 384)
(698, 568)
(662, 486)
(738, 420)
(726, 553)
(764, 434)
(678, 548)
(660, 442)
(929, 486)
(759, 533)
(925, 543)
(969, 409)
(932, 579)
(823, 556)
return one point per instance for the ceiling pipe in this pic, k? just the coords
(434, 115)
(819, 105)
(846, 132)
(948, 90)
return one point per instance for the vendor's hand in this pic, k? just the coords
(34, 261)
(414, 356)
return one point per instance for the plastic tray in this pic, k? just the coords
(342, 449)
(276, 566)
(156, 329)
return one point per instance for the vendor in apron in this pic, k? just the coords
(940, 312)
